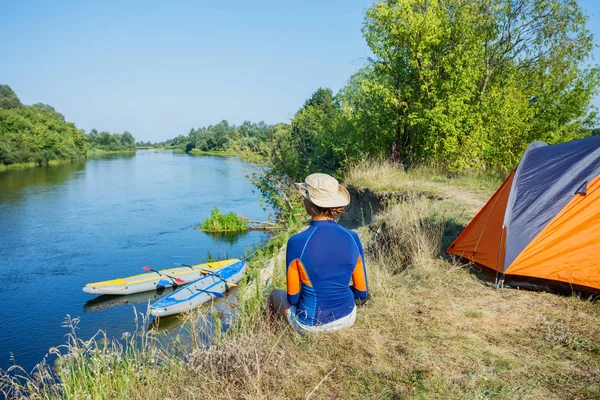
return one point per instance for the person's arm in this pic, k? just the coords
(359, 275)
(292, 275)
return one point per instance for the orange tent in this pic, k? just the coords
(544, 220)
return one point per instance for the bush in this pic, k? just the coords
(218, 222)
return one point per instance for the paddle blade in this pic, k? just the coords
(230, 283)
(146, 268)
(163, 282)
(216, 294)
(179, 280)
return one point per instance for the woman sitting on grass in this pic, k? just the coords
(321, 261)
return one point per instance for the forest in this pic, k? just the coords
(462, 85)
(221, 137)
(108, 142)
(458, 85)
(39, 134)
(36, 133)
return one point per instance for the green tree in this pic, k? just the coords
(471, 83)
(49, 109)
(8, 98)
(127, 140)
(28, 135)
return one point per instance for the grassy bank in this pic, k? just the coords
(221, 153)
(90, 153)
(10, 167)
(100, 152)
(432, 328)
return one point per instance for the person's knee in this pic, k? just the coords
(278, 300)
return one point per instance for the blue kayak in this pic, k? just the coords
(199, 292)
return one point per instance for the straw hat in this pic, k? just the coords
(324, 191)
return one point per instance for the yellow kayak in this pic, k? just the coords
(156, 279)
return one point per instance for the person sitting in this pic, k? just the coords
(326, 270)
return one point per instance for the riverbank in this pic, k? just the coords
(90, 153)
(100, 152)
(10, 167)
(195, 152)
(432, 328)
(221, 153)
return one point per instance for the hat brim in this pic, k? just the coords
(341, 200)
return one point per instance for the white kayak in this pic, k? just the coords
(152, 280)
(200, 291)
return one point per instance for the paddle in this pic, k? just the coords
(202, 271)
(173, 279)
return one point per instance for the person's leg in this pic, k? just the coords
(278, 305)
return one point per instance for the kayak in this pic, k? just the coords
(198, 292)
(155, 279)
(105, 301)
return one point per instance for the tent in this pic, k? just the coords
(544, 220)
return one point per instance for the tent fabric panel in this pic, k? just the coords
(480, 240)
(548, 179)
(513, 189)
(568, 249)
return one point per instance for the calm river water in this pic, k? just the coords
(62, 227)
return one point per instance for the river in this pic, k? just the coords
(64, 226)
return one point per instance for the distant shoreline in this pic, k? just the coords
(195, 152)
(16, 166)
(90, 153)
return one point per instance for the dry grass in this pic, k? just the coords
(431, 329)
(470, 189)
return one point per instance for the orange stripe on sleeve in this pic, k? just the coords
(359, 280)
(293, 277)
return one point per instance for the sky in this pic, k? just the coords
(159, 68)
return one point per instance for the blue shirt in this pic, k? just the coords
(325, 272)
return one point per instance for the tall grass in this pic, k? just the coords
(218, 222)
(382, 175)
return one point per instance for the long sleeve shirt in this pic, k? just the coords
(325, 272)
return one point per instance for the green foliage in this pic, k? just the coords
(229, 222)
(29, 135)
(221, 137)
(111, 142)
(8, 98)
(49, 109)
(456, 84)
(471, 83)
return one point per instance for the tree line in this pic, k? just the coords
(459, 84)
(106, 141)
(455, 84)
(39, 134)
(36, 133)
(219, 137)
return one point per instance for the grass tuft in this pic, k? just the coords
(229, 222)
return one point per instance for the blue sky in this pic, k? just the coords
(159, 68)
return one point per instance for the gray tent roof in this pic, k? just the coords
(547, 178)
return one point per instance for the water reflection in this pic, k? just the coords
(110, 300)
(77, 223)
(198, 326)
(13, 181)
(226, 237)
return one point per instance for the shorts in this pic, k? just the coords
(302, 329)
